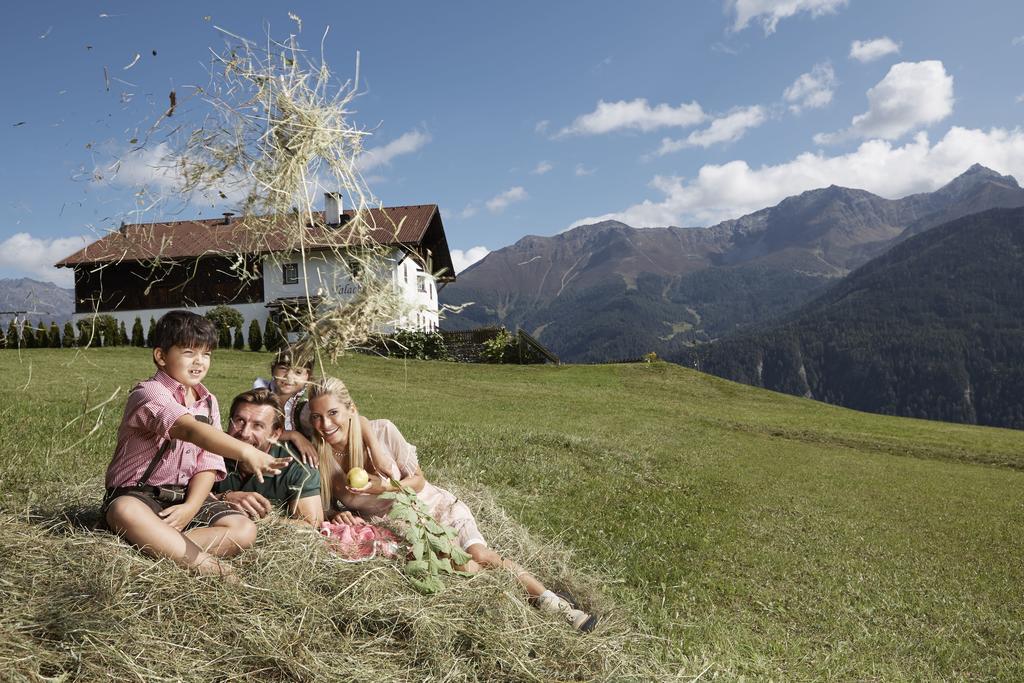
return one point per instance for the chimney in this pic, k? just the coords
(332, 208)
(227, 217)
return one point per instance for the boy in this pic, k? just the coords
(292, 372)
(168, 456)
(256, 419)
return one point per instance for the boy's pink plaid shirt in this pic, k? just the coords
(153, 407)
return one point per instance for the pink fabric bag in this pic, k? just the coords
(356, 543)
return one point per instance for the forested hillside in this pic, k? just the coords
(933, 329)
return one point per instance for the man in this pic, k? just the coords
(256, 419)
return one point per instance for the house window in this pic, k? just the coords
(422, 284)
(290, 273)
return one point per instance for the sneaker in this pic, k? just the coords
(577, 618)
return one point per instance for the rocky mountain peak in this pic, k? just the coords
(974, 177)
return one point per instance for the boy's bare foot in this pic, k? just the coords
(211, 566)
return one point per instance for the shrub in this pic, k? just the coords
(42, 336)
(150, 332)
(138, 338)
(225, 315)
(650, 357)
(69, 335)
(272, 337)
(239, 344)
(54, 335)
(224, 338)
(13, 339)
(417, 344)
(499, 348)
(255, 336)
(28, 337)
(122, 335)
(90, 329)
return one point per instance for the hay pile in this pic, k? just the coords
(81, 605)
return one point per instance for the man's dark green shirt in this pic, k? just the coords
(294, 482)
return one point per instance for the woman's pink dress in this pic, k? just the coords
(399, 460)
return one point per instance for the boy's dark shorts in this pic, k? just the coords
(211, 510)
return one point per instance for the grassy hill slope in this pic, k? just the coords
(766, 535)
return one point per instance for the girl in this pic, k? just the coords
(292, 372)
(346, 439)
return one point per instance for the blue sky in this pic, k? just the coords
(530, 117)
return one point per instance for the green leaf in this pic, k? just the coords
(388, 495)
(441, 564)
(428, 586)
(417, 549)
(433, 527)
(441, 545)
(460, 556)
(417, 568)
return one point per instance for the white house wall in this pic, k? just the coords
(417, 291)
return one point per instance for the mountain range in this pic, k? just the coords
(933, 328)
(42, 301)
(608, 291)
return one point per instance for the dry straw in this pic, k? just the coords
(82, 605)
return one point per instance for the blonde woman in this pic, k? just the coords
(346, 439)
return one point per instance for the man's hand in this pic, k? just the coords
(258, 463)
(249, 502)
(346, 517)
(178, 516)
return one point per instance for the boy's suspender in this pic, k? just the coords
(168, 444)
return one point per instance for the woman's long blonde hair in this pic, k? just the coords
(329, 467)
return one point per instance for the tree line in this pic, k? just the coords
(105, 330)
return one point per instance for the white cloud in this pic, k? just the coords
(469, 210)
(407, 143)
(725, 48)
(813, 89)
(1020, 99)
(542, 127)
(728, 128)
(636, 115)
(158, 170)
(582, 170)
(500, 202)
(734, 189)
(464, 259)
(912, 94)
(869, 50)
(34, 256)
(1019, 40)
(770, 12)
(542, 168)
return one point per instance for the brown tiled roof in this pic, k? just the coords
(397, 225)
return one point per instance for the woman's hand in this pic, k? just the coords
(371, 489)
(178, 516)
(345, 517)
(306, 450)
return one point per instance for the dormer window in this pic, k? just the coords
(290, 273)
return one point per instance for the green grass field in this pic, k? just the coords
(768, 536)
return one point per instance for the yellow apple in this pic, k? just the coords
(358, 478)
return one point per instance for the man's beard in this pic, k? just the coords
(265, 446)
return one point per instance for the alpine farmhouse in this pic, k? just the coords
(145, 270)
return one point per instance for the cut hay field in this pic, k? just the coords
(724, 531)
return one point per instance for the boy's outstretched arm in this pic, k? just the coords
(209, 438)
